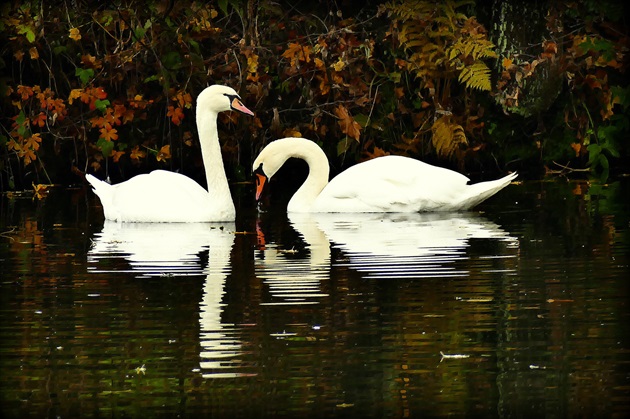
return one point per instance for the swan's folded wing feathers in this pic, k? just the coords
(393, 184)
(148, 196)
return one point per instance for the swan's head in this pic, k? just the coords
(268, 162)
(218, 98)
(277, 152)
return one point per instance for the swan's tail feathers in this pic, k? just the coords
(102, 189)
(479, 192)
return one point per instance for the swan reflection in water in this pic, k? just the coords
(416, 245)
(165, 249)
(392, 245)
(293, 279)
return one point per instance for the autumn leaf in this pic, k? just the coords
(33, 142)
(176, 114)
(75, 34)
(25, 92)
(184, 100)
(297, 52)
(319, 64)
(378, 152)
(116, 155)
(28, 155)
(74, 94)
(40, 120)
(13, 145)
(41, 190)
(252, 63)
(577, 147)
(339, 65)
(291, 132)
(98, 93)
(164, 153)
(33, 53)
(109, 134)
(137, 153)
(348, 125)
(187, 138)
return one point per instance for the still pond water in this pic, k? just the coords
(517, 309)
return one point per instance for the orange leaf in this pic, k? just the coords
(74, 94)
(348, 125)
(297, 52)
(116, 155)
(28, 155)
(75, 34)
(176, 114)
(40, 120)
(164, 153)
(32, 143)
(109, 134)
(137, 154)
(25, 91)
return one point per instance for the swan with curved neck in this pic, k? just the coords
(383, 184)
(163, 196)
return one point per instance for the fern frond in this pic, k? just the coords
(476, 76)
(477, 48)
(448, 137)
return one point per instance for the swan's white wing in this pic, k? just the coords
(392, 184)
(160, 196)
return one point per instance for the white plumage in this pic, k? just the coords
(163, 196)
(383, 184)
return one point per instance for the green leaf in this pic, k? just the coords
(603, 161)
(594, 151)
(101, 105)
(344, 145)
(105, 146)
(19, 121)
(59, 49)
(28, 32)
(362, 119)
(395, 76)
(84, 74)
(139, 32)
(610, 148)
(223, 6)
(172, 60)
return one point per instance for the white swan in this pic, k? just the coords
(384, 184)
(163, 196)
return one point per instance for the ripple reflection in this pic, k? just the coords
(159, 250)
(406, 245)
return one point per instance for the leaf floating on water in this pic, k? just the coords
(452, 356)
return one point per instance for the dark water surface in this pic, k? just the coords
(518, 309)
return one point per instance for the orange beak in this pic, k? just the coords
(260, 183)
(237, 105)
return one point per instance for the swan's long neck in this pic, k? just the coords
(218, 189)
(318, 171)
